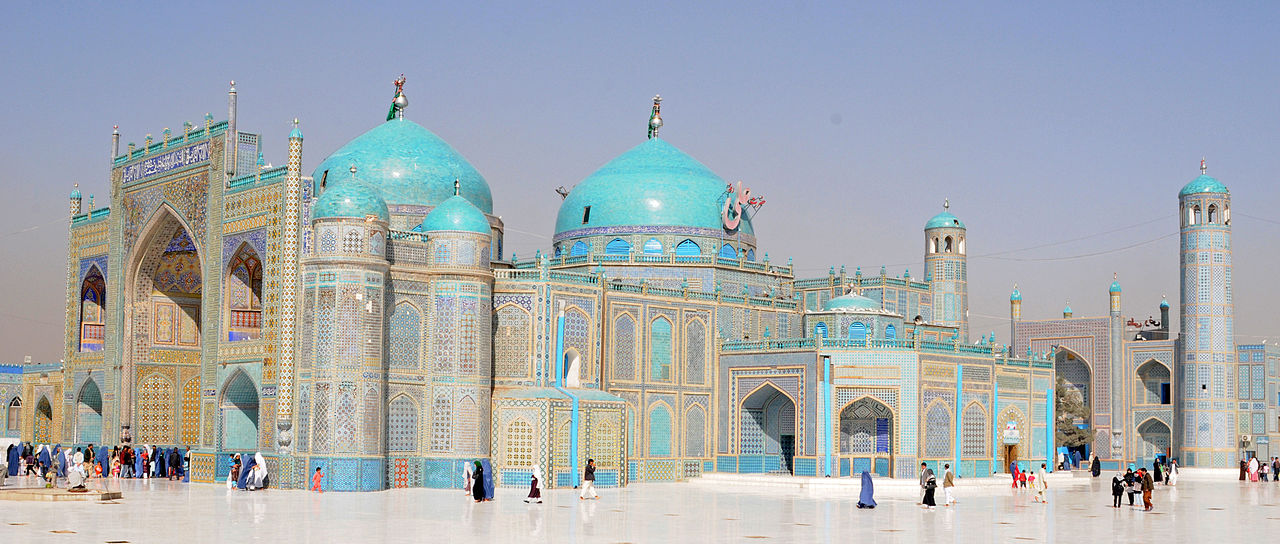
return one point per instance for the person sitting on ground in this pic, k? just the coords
(76, 475)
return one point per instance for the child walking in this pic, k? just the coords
(315, 480)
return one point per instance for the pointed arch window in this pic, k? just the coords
(617, 246)
(244, 295)
(14, 417)
(688, 248)
(727, 252)
(1195, 215)
(93, 306)
(858, 332)
(579, 248)
(946, 245)
(660, 349)
(653, 246)
(890, 332)
(1213, 213)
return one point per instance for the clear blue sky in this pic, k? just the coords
(1041, 123)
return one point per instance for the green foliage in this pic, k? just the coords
(1068, 407)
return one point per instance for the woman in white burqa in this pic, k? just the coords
(258, 477)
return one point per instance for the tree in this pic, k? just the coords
(1069, 406)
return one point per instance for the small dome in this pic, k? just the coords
(1016, 295)
(1203, 184)
(1067, 309)
(456, 214)
(1164, 304)
(350, 198)
(295, 133)
(851, 303)
(408, 164)
(75, 193)
(944, 220)
(652, 184)
(1115, 287)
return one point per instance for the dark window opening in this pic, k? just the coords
(323, 179)
(586, 214)
(1164, 393)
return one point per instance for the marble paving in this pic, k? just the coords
(1207, 507)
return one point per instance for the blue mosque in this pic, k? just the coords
(362, 316)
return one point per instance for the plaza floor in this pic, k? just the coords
(1208, 507)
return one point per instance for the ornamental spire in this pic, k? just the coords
(1203, 169)
(946, 204)
(655, 117)
(457, 187)
(399, 102)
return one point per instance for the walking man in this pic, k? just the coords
(1148, 485)
(948, 482)
(589, 481)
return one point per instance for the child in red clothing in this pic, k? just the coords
(1022, 479)
(315, 481)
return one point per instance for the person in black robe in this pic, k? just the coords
(175, 464)
(1117, 490)
(477, 487)
(1159, 476)
(1095, 467)
(930, 486)
(159, 463)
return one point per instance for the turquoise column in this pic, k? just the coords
(995, 423)
(1050, 417)
(573, 399)
(959, 411)
(829, 406)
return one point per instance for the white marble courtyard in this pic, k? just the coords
(1208, 506)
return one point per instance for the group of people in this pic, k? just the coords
(1026, 479)
(478, 481)
(251, 474)
(928, 486)
(1258, 470)
(54, 462)
(1131, 483)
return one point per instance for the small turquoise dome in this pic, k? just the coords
(1164, 304)
(350, 198)
(1115, 287)
(457, 214)
(851, 302)
(408, 164)
(75, 193)
(1015, 295)
(1067, 309)
(1203, 184)
(295, 133)
(944, 220)
(652, 184)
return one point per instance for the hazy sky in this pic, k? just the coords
(854, 120)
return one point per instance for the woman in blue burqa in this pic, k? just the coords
(12, 456)
(867, 499)
(103, 459)
(488, 479)
(477, 487)
(249, 461)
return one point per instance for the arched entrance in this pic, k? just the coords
(238, 409)
(1011, 436)
(866, 436)
(1077, 376)
(768, 431)
(1153, 441)
(43, 423)
(571, 368)
(1153, 383)
(89, 413)
(163, 288)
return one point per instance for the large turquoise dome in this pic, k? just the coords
(456, 214)
(851, 303)
(1203, 184)
(349, 198)
(653, 184)
(408, 164)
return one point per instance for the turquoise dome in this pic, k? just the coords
(851, 302)
(408, 164)
(1203, 184)
(652, 184)
(1164, 303)
(944, 220)
(1115, 287)
(1067, 310)
(1016, 295)
(457, 214)
(295, 133)
(75, 193)
(351, 199)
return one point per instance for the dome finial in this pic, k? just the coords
(353, 170)
(946, 204)
(457, 187)
(655, 116)
(1204, 170)
(400, 102)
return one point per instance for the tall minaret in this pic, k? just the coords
(115, 142)
(1015, 315)
(946, 269)
(289, 293)
(233, 140)
(1205, 417)
(1116, 374)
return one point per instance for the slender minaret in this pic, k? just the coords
(75, 200)
(946, 267)
(1206, 418)
(1114, 390)
(115, 142)
(289, 289)
(1015, 315)
(230, 152)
